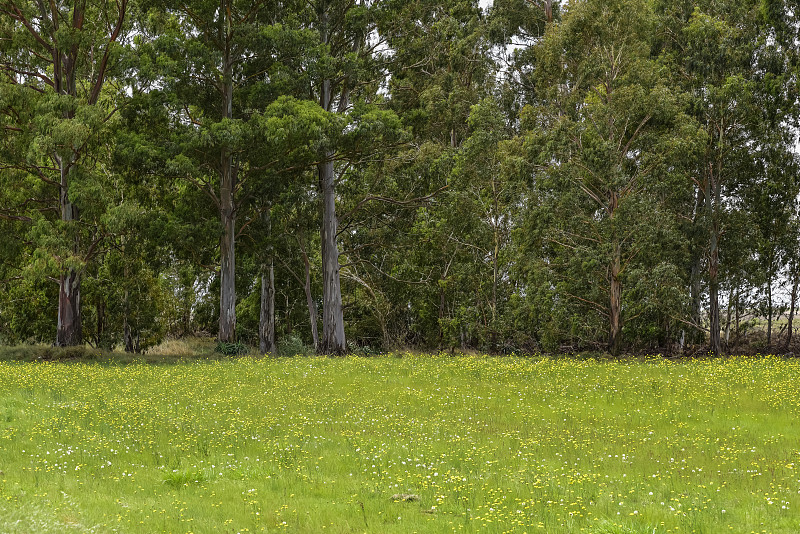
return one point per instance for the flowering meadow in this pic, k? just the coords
(401, 443)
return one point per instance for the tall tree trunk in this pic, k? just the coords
(792, 307)
(69, 330)
(713, 205)
(615, 289)
(287, 315)
(310, 303)
(715, 341)
(695, 271)
(127, 339)
(333, 341)
(615, 304)
(769, 311)
(266, 330)
(266, 323)
(696, 295)
(227, 298)
(440, 322)
(495, 275)
(728, 320)
(442, 301)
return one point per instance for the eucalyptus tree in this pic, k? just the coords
(772, 192)
(793, 273)
(439, 68)
(296, 223)
(735, 60)
(770, 202)
(288, 136)
(610, 136)
(56, 60)
(514, 28)
(489, 186)
(215, 67)
(343, 76)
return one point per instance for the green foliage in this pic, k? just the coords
(615, 144)
(26, 311)
(291, 345)
(499, 172)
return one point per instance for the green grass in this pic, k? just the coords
(316, 445)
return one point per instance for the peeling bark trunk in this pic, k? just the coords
(333, 341)
(286, 315)
(495, 274)
(696, 294)
(127, 339)
(266, 330)
(715, 342)
(227, 300)
(266, 323)
(495, 266)
(615, 289)
(131, 340)
(714, 205)
(69, 330)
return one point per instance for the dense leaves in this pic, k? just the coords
(523, 175)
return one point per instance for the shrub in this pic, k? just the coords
(292, 345)
(231, 349)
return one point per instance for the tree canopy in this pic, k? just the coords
(519, 176)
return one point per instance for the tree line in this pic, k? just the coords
(527, 175)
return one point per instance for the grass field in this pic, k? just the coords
(317, 445)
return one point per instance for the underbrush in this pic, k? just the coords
(40, 352)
